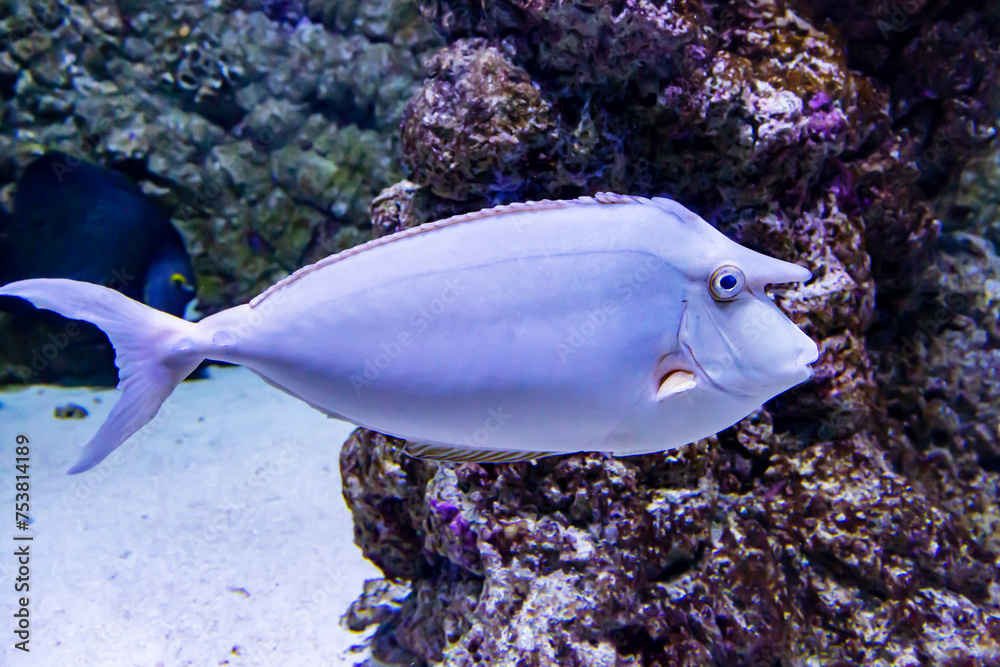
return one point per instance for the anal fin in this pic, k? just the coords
(427, 452)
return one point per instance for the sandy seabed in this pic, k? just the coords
(217, 535)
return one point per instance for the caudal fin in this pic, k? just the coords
(154, 352)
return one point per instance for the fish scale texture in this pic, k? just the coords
(853, 520)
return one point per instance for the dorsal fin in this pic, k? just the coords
(543, 205)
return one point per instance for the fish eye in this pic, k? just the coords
(726, 283)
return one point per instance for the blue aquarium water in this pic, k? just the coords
(697, 361)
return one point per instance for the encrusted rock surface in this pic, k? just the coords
(941, 370)
(854, 519)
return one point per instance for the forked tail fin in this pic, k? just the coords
(154, 352)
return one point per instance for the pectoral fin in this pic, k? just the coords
(466, 455)
(675, 383)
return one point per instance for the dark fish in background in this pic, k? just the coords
(73, 219)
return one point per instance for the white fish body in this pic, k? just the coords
(548, 327)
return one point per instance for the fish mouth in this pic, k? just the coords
(807, 364)
(797, 371)
(801, 368)
(808, 357)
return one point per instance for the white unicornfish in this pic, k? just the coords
(610, 323)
